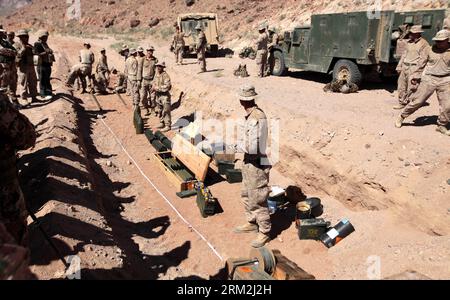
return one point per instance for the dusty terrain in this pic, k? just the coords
(98, 193)
(96, 201)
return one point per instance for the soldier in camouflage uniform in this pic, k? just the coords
(178, 44)
(121, 80)
(411, 66)
(13, 85)
(83, 69)
(16, 133)
(45, 63)
(148, 73)
(435, 78)
(25, 63)
(102, 73)
(7, 66)
(14, 259)
(131, 65)
(140, 57)
(255, 171)
(200, 48)
(161, 87)
(125, 52)
(261, 51)
(273, 41)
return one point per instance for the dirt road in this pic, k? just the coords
(113, 207)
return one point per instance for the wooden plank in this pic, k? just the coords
(194, 159)
(288, 270)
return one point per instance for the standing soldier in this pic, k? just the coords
(273, 41)
(125, 52)
(25, 63)
(13, 84)
(261, 50)
(7, 66)
(16, 133)
(161, 87)
(140, 59)
(436, 78)
(255, 171)
(411, 65)
(178, 45)
(131, 65)
(148, 73)
(201, 48)
(45, 63)
(102, 69)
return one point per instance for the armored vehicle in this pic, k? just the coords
(210, 25)
(352, 45)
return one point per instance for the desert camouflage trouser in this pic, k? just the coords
(8, 79)
(163, 101)
(254, 193)
(405, 88)
(261, 61)
(135, 87)
(425, 91)
(27, 82)
(13, 212)
(178, 51)
(148, 98)
(201, 58)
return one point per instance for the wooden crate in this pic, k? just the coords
(288, 270)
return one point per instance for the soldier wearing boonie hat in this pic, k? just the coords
(411, 66)
(262, 50)
(161, 87)
(148, 98)
(436, 78)
(131, 66)
(45, 63)
(25, 65)
(255, 169)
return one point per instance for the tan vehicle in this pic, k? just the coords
(210, 26)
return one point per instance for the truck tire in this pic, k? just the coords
(347, 70)
(279, 68)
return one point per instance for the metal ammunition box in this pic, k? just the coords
(312, 229)
(206, 203)
(223, 166)
(233, 175)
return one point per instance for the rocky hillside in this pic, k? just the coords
(238, 18)
(9, 6)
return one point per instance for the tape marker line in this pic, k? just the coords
(161, 194)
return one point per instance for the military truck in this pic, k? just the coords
(352, 45)
(210, 25)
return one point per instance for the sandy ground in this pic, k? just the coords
(93, 198)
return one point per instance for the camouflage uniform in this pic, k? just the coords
(14, 259)
(8, 70)
(140, 61)
(273, 41)
(162, 86)
(16, 133)
(148, 73)
(435, 78)
(82, 70)
(102, 73)
(131, 65)
(45, 63)
(201, 50)
(14, 78)
(125, 53)
(27, 73)
(178, 47)
(261, 53)
(411, 66)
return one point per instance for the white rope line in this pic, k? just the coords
(162, 195)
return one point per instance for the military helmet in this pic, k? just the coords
(161, 64)
(198, 27)
(416, 29)
(442, 35)
(125, 47)
(87, 44)
(102, 50)
(150, 48)
(247, 93)
(132, 51)
(140, 49)
(22, 32)
(262, 27)
(43, 33)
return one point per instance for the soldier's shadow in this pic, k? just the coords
(423, 121)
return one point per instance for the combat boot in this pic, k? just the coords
(399, 106)
(399, 122)
(261, 240)
(247, 227)
(443, 130)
